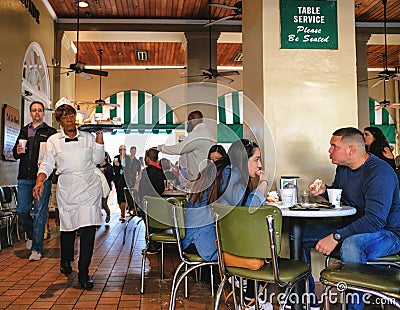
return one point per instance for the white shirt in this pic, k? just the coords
(195, 146)
(79, 188)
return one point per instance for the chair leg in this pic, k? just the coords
(257, 306)
(173, 292)
(212, 280)
(219, 292)
(133, 235)
(142, 270)
(186, 283)
(162, 260)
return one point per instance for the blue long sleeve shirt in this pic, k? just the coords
(199, 220)
(372, 189)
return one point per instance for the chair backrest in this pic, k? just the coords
(132, 199)
(158, 212)
(245, 234)
(6, 197)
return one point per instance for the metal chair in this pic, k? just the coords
(158, 215)
(255, 235)
(7, 215)
(132, 200)
(189, 261)
(388, 260)
(378, 280)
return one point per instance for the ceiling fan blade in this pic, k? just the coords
(379, 108)
(85, 76)
(224, 79)
(377, 83)
(222, 6)
(208, 71)
(95, 72)
(114, 105)
(219, 20)
(228, 73)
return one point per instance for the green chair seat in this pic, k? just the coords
(373, 277)
(194, 258)
(389, 258)
(288, 270)
(163, 237)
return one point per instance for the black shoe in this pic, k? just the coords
(65, 268)
(153, 248)
(88, 284)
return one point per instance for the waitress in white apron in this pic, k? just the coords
(80, 188)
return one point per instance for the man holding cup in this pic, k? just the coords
(31, 138)
(368, 184)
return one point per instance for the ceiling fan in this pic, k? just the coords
(100, 101)
(236, 8)
(79, 67)
(210, 73)
(386, 74)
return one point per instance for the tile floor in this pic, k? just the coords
(39, 285)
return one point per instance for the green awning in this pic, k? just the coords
(230, 117)
(382, 120)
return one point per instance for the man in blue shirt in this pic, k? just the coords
(368, 184)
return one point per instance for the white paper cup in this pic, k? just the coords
(288, 196)
(334, 195)
(23, 143)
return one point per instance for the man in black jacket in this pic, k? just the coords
(36, 133)
(152, 184)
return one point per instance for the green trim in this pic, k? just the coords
(221, 110)
(155, 109)
(235, 107)
(127, 107)
(228, 133)
(113, 112)
(141, 107)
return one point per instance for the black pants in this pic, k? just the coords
(67, 240)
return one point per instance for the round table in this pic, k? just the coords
(295, 226)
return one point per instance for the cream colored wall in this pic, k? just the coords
(18, 30)
(307, 95)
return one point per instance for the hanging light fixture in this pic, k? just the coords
(83, 4)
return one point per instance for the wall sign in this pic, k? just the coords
(309, 24)
(11, 128)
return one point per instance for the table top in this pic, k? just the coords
(173, 193)
(342, 211)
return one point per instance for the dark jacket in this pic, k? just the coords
(152, 182)
(28, 162)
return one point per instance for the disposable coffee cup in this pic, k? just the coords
(23, 143)
(288, 196)
(334, 195)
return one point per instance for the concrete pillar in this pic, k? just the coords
(362, 74)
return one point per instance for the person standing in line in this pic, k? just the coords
(195, 146)
(80, 188)
(133, 167)
(36, 133)
(107, 169)
(119, 166)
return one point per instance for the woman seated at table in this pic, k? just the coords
(216, 152)
(227, 181)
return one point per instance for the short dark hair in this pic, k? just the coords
(132, 147)
(350, 134)
(195, 115)
(152, 154)
(64, 109)
(36, 102)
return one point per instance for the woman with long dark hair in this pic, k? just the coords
(376, 143)
(216, 152)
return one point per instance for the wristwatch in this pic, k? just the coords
(337, 236)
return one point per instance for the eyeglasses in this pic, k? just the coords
(36, 110)
(250, 143)
(122, 149)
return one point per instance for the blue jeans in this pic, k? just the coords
(34, 227)
(358, 248)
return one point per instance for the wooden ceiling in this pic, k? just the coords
(172, 53)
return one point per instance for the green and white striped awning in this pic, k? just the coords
(382, 120)
(140, 112)
(230, 117)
